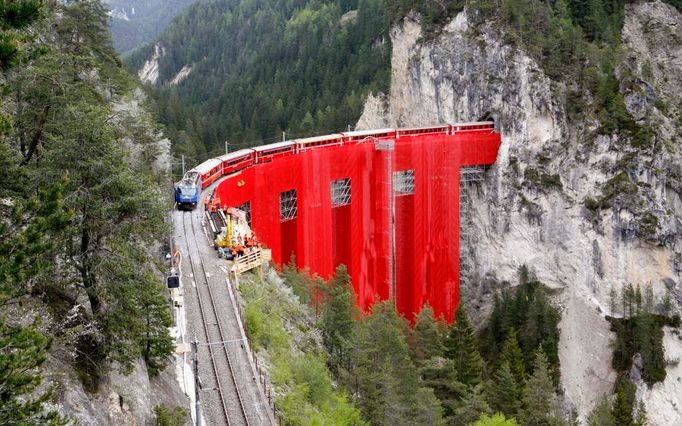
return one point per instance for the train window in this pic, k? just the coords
(403, 182)
(340, 191)
(287, 205)
(246, 208)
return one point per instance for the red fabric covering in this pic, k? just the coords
(423, 253)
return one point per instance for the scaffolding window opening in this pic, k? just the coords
(403, 182)
(287, 205)
(340, 192)
(246, 208)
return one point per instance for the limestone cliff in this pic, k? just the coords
(523, 215)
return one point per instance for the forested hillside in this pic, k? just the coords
(81, 205)
(136, 22)
(253, 69)
(430, 373)
(262, 67)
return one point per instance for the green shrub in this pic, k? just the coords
(166, 417)
(305, 394)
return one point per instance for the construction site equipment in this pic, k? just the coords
(392, 217)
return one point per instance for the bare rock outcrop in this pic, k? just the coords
(532, 208)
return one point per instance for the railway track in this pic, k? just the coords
(229, 396)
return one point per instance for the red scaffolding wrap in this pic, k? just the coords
(399, 232)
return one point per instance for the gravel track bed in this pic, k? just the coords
(254, 403)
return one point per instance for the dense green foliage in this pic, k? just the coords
(15, 16)
(528, 314)
(461, 347)
(299, 371)
(78, 210)
(262, 67)
(640, 331)
(22, 351)
(27, 226)
(495, 420)
(538, 394)
(168, 417)
(433, 373)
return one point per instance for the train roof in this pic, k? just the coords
(361, 133)
(207, 165)
(276, 145)
(474, 123)
(235, 154)
(315, 139)
(435, 126)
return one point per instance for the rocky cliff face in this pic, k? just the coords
(525, 215)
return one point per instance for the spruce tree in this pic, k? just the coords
(427, 336)
(155, 342)
(22, 351)
(622, 406)
(336, 321)
(601, 414)
(384, 379)
(439, 374)
(470, 408)
(462, 348)
(504, 393)
(512, 355)
(538, 394)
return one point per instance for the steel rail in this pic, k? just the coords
(220, 330)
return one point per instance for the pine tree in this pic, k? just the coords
(384, 378)
(22, 351)
(641, 417)
(336, 321)
(462, 348)
(439, 374)
(155, 342)
(601, 414)
(504, 393)
(538, 394)
(512, 355)
(470, 408)
(427, 336)
(622, 406)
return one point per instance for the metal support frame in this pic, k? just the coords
(469, 178)
(340, 192)
(387, 147)
(403, 182)
(287, 205)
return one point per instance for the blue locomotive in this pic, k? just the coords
(187, 191)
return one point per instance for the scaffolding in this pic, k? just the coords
(403, 182)
(340, 192)
(246, 208)
(287, 206)
(469, 179)
(386, 180)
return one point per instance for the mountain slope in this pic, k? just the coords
(246, 71)
(136, 22)
(586, 192)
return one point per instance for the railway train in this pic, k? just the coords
(188, 190)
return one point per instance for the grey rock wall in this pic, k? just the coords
(467, 72)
